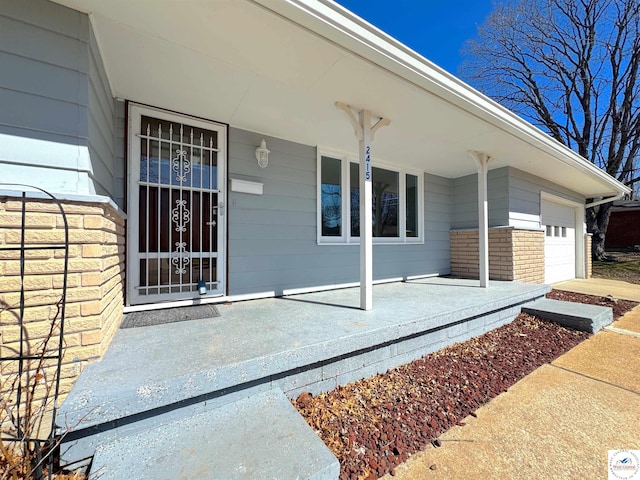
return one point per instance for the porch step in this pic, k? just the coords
(588, 318)
(255, 438)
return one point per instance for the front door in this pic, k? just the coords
(176, 223)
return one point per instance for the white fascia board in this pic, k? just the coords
(342, 27)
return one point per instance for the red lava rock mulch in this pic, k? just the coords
(375, 424)
(620, 307)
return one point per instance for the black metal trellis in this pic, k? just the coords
(42, 448)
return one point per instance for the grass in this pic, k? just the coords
(623, 266)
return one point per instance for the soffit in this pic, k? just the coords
(237, 62)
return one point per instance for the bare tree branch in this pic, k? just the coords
(571, 67)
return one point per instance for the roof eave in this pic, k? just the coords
(341, 26)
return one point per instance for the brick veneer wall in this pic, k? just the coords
(95, 284)
(514, 254)
(528, 259)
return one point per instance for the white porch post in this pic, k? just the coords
(482, 160)
(365, 132)
(366, 214)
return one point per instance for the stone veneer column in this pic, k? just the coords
(95, 284)
(464, 253)
(588, 258)
(528, 256)
(514, 254)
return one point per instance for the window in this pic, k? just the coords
(396, 202)
(331, 197)
(386, 198)
(354, 199)
(556, 231)
(411, 194)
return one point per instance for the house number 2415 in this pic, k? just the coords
(367, 164)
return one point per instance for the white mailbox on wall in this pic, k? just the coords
(246, 186)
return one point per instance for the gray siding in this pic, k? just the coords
(465, 199)
(438, 212)
(524, 197)
(120, 155)
(102, 122)
(272, 237)
(44, 95)
(56, 122)
(514, 198)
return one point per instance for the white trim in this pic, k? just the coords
(482, 160)
(263, 295)
(15, 191)
(580, 230)
(323, 288)
(605, 200)
(172, 304)
(251, 296)
(342, 27)
(499, 227)
(419, 277)
(402, 205)
(357, 128)
(198, 301)
(365, 175)
(524, 220)
(337, 286)
(320, 239)
(345, 238)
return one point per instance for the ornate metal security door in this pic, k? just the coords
(176, 232)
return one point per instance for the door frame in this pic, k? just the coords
(134, 112)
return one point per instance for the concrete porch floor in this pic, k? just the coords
(310, 342)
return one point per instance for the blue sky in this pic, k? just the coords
(437, 29)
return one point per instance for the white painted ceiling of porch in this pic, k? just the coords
(236, 62)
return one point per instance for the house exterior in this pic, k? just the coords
(624, 226)
(148, 124)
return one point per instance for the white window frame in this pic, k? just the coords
(345, 238)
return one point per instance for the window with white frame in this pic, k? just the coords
(397, 202)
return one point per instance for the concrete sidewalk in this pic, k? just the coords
(601, 286)
(556, 423)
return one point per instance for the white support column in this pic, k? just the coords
(365, 132)
(482, 161)
(366, 214)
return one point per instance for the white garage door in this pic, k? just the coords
(559, 242)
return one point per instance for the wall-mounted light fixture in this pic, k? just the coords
(262, 154)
